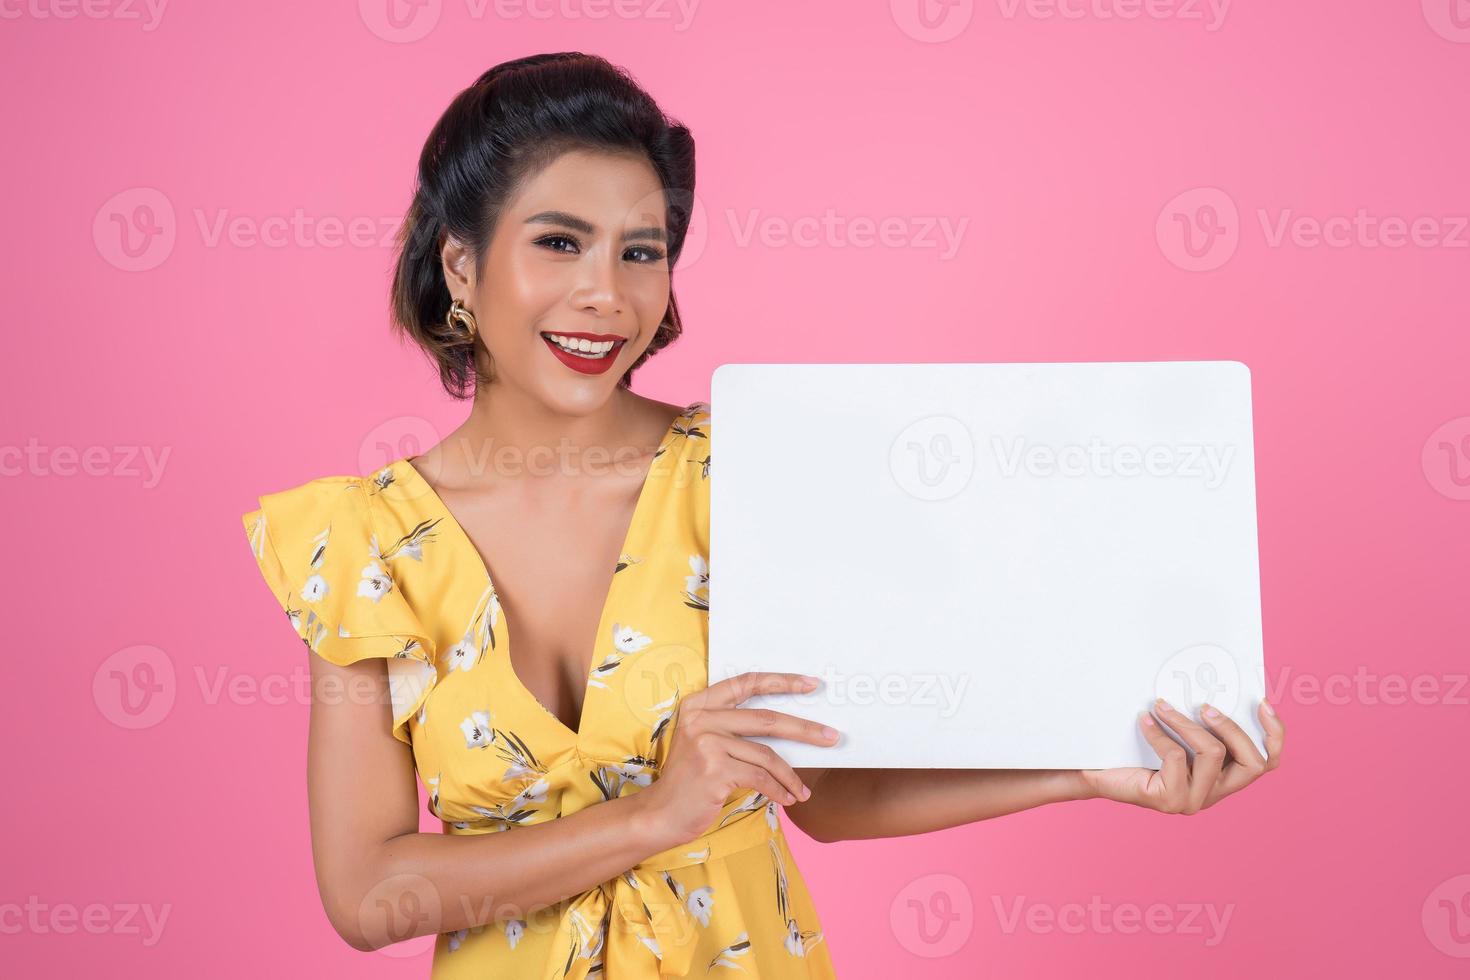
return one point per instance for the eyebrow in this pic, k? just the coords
(588, 228)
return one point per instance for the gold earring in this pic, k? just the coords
(459, 318)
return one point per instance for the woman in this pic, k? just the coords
(535, 272)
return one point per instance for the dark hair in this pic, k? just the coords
(517, 118)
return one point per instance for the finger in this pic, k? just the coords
(768, 759)
(1170, 785)
(735, 690)
(1209, 754)
(1275, 733)
(754, 777)
(1246, 762)
(768, 723)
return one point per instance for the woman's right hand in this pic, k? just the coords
(709, 757)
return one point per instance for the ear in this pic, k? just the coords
(459, 267)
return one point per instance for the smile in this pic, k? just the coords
(582, 347)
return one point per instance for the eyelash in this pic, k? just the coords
(655, 254)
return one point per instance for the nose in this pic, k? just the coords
(599, 288)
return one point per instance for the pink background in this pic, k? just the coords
(1063, 142)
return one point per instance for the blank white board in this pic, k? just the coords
(991, 565)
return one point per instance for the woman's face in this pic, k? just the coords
(580, 252)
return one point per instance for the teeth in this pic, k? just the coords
(582, 346)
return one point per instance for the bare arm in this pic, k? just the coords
(854, 804)
(859, 804)
(373, 863)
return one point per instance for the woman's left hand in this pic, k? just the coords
(1225, 761)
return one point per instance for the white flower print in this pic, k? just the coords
(627, 639)
(514, 930)
(609, 665)
(375, 582)
(700, 903)
(696, 586)
(411, 544)
(477, 731)
(464, 654)
(666, 709)
(320, 551)
(456, 938)
(730, 956)
(750, 804)
(798, 941)
(314, 589)
(771, 819)
(610, 780)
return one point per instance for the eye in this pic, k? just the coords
(555, 238)
(654, 255)
(650, 255)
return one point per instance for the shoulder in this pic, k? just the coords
(297, 523)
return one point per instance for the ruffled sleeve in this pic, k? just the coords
(317, 550)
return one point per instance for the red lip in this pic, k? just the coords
(585, 365)
(594, 337)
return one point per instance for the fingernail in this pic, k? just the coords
(811, 682)
(829, 732)
(1210, 712)
(1164, 704)
(1148, 719)
(1266, 706)
(806, 792)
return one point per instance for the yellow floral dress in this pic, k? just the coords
(375, 566)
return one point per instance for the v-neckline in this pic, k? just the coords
(468, 543)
